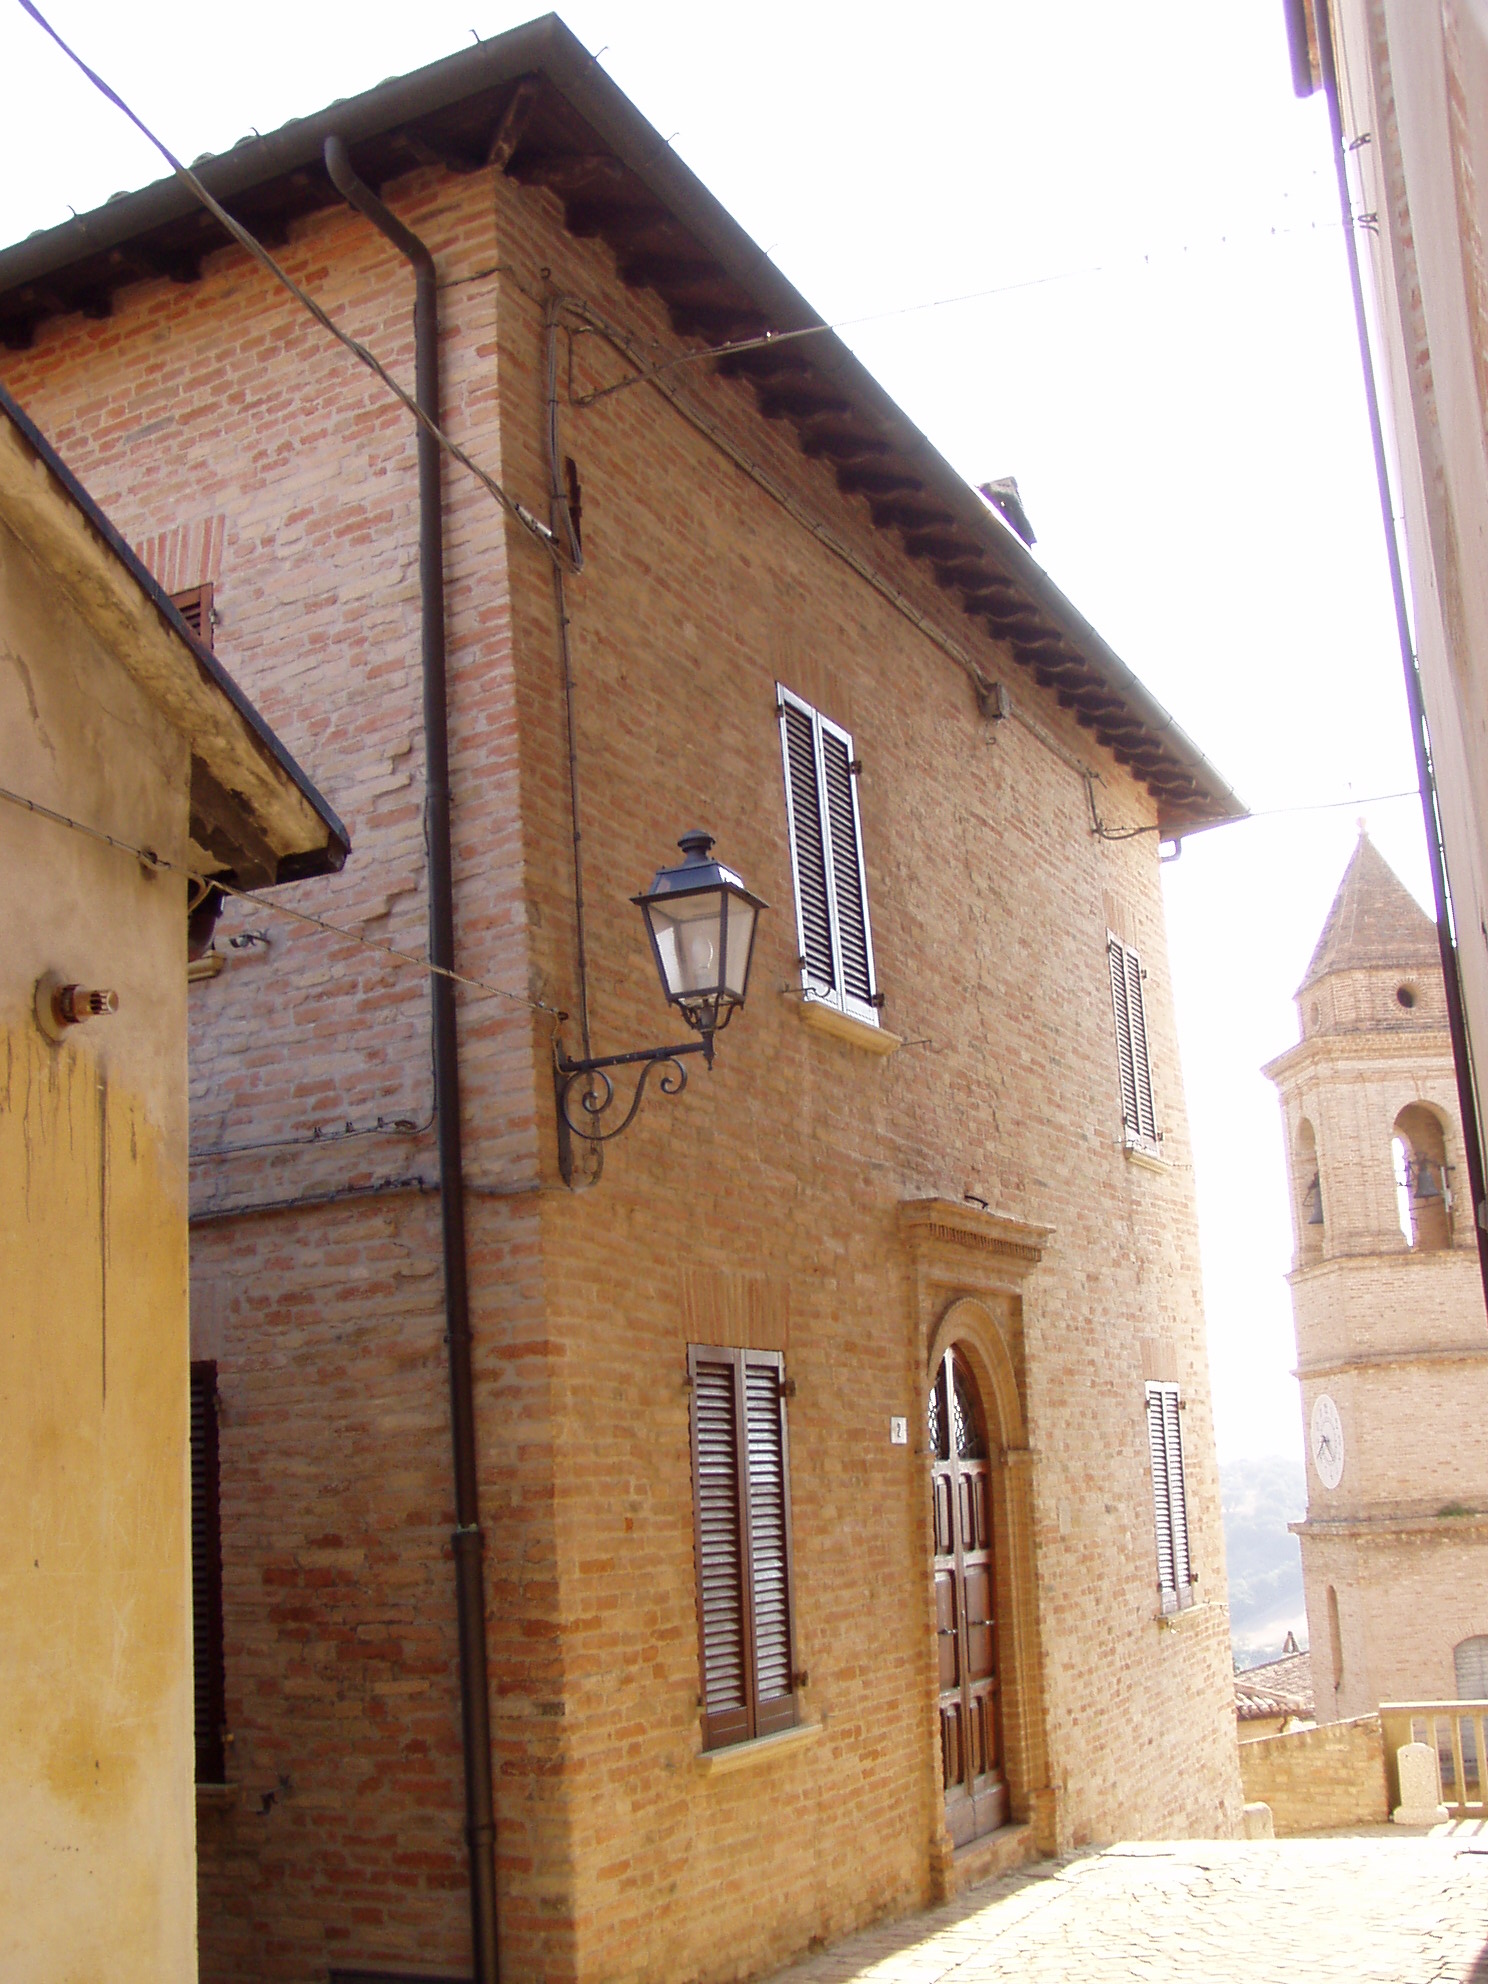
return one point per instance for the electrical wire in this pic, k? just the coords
(771, 338)
(148, 858)
(513, 508)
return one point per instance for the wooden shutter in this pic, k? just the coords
(195, 608)
(1138, 1114)
(718, 1504)
(206, 1578)
(849, 890)
(741, 1495)
(769, 1543)
(1177, 1489)
(1169, 1497)
(821, 789)
(808, 846)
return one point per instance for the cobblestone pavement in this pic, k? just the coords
(1377, 1908)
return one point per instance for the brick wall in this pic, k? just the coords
(760, 1207)
(1314, 1779)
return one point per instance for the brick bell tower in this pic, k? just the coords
(1392, 1347)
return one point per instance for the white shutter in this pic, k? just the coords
(1169, 1497)
(826, 838)
(1138, 1115)
(1162, 1517)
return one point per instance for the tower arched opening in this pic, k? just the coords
(1423, 1195)
(1308, 1184)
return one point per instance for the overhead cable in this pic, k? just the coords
(148, 858)
(359, 351)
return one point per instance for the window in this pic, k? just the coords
(1138, 1117)
(741, 1502)
(206, 1579)
(1175, 1578)
(826, 838)
(1470, 1661)
(195, 608)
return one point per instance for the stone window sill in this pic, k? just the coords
(1175, 1621)
(1149, 1156)
(218, 1794)
(817, 1014)
(737, 1756)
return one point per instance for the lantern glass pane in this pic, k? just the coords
(740, 936)
(687, 931)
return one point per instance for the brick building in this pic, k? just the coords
(1388, 1309)
(930, 1218)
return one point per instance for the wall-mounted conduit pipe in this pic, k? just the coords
(475, 1699)
(1467, 1098)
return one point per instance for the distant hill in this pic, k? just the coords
(1259, 1498)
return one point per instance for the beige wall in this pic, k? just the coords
(1414, 76)
(96, 1821)
(1395, 1338)
(1315, 1779)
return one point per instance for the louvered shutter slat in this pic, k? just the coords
(1177, 1489)
(849, 898)
(1161, 1504)
(1117, 961)
(1141, 1067)
(808, 845)
(769, 1571)
(206, 1578)
(719, 1553)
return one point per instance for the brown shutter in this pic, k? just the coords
(849, 896)
(808, 845)
(206, 1578)
(769, 1542)
(195, 608)
(741, 1494)
(718, 1502)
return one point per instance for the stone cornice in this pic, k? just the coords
(1443, 1529)
(960, 1243)
(1430, 1260)
(1362, 1045)
(1328, 1367)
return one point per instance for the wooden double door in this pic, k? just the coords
(965, 1623)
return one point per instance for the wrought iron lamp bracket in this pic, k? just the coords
(587, 1085)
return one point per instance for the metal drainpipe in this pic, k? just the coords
(475, 1704)
(1467, 1099)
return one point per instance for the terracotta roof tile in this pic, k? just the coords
(1375, 920)
(1276, 1688)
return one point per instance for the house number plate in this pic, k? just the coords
(898, 1432)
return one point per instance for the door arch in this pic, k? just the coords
(971, 1748)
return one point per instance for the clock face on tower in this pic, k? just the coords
(1325, 1438)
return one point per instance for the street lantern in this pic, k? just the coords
(701, 921)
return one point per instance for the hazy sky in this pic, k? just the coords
(1169, 370)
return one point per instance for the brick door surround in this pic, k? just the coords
(967, 1270)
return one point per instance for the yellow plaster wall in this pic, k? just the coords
(97, 1847)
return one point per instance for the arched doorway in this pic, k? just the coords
(965, 1628)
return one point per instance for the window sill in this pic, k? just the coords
(816, 1013)
(735, 1756)
(218, 1794)
(1149, 1156)
(1173, 1621)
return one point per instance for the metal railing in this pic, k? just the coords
(1455, 1730)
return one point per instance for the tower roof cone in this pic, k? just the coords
(1374, 921)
